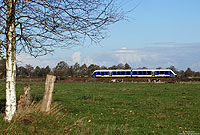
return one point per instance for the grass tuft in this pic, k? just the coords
(32, 121)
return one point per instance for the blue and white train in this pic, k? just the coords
(149, 73)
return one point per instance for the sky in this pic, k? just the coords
(158, 33)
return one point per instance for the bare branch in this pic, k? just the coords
(42, 25)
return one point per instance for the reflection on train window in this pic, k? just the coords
(148, 72)
(161, 72)
(106, 73)
(166, 72)
(135, 72)
(128, 73)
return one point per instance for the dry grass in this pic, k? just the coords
(32, 121)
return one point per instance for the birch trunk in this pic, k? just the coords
(10, 61)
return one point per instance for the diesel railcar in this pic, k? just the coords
(149, 73)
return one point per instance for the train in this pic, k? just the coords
(134, 73)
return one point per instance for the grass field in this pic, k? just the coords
(113, 108)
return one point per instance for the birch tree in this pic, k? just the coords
(38, 26)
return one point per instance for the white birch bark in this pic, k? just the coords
(10, 62)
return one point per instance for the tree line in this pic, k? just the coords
(62, 70)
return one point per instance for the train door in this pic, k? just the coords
(110, 73)
(153, 73)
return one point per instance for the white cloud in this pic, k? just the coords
(125, 50)
(42, 61)
(76, 57)
(133, 56)
(181, 56)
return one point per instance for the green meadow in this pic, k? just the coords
(110, 109)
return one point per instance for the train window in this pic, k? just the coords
(166, 72)
(98, 73)
(128, 73)
(118, 73)
(135, 72)
(114, 73)
(144, 73)
(158, 72)
(162, 72)
(140, 73)
(148, 72)
(171, 72)
(123, 73)
(102, 73)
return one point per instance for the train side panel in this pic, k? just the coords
(133, 73)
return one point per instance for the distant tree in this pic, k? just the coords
(159, 68)
(29, 69)
(120, 66)
(76, 69)
(188, 72)
(37, 71)
(83, 70)
(70, 71)
(22, 72)
(127, 66)
(144, 68)
(103, 67)
(92, 68)
(42, 72)
(113, 67)
(173, 68)
(181, 73)
(197, 74)
(61, 70)
(47, 70)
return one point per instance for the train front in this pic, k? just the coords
(94, 74)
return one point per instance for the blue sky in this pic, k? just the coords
(159, 33)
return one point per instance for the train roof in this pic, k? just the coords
(102, 70)
(151, 70)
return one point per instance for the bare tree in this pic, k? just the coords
(37, 26)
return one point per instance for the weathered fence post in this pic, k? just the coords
(47, 98)
(25, 99)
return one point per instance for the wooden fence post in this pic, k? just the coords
(47, 98)
(25, 99)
